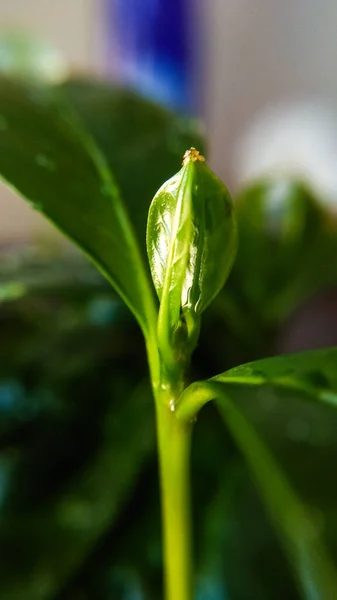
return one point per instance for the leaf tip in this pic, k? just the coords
(192, 155)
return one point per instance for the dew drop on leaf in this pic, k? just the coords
(43, 161)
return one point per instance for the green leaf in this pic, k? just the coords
(261, 403)
(143, 142)
(285, 239)
(49, 159)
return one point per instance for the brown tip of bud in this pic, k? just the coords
(192, 155)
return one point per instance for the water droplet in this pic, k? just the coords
(317, 379)
(258, 374)
(43, 161)
(3, 124)
(245, 369)
(172, 406)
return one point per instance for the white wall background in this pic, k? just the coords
(259, 54)
(73, 27)
(262, 53)
(67, 24)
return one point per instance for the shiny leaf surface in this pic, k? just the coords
(142, 142)
(46, 155)
(268, 406)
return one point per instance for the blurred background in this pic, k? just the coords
(260, 75)
(254, 85)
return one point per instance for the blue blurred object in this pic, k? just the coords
(150, 48)
(103, 311)
(211, 588)
(11, 395)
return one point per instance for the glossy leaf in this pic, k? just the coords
(143, 142)
(191, 243)
(49, 159)
(258, 402)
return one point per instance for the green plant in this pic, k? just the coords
(52, 152)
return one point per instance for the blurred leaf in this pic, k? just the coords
(263, 404)
(130, 554)
(242, 553)
(287, 251)
(76, 430)
(29, 269)
(55, 537)
(142, 142)
(27, 56)
(122, 556)
(49, 159)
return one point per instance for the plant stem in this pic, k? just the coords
(174, 451)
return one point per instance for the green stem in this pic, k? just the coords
(174, 451)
